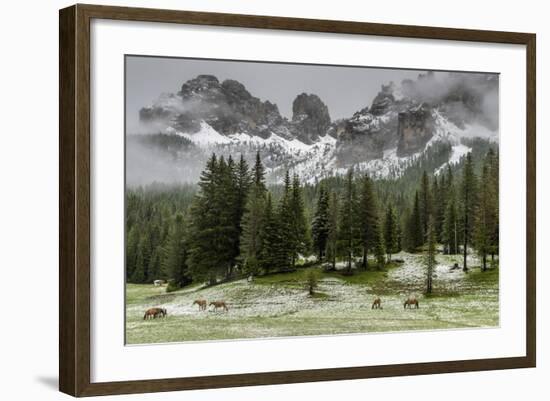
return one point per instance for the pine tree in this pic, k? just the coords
(332, 239)
(439, 196)
(415, 231)
(369, 225)
(493, 165)
(242, 183)
(132, 252)
(230, 217)
(426, 203)
(379, 251)
(253, 220)
(175, 264)
(391, 232)
(155, 264)
(487, 213)
(284, 217)
(468, 205)
(430, 261)
(139, 274)
(450, 226)
(299, 230)
(258, 173)
(210, 247)
(275, 254)
(320, 227)
(348, 229)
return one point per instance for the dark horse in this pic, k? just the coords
(377, 304)
(153, 313)
(410, 302)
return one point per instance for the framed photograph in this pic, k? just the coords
(249, 200)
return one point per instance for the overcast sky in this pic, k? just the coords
(344, 90)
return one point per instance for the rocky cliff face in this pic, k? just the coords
(403, 116)
(310, 118)
(414, 129)
(227, 107)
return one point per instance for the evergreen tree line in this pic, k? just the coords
(232, 223)
(463, 210)
(154, 231)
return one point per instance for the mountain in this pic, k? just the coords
(402, 123)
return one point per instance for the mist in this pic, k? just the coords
(468, 96)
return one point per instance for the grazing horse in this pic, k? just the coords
(158, 283)
(201, 303)
(153, 313)
(219, 304)
(409, 302)
(377, 304)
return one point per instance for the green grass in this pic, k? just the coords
(279, 304)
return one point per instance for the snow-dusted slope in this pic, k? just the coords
(315, 161)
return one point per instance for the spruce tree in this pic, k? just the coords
(426, 202)
(430, 261)
(242, 183)
(450, 226)
(275, 254)
(285, 223)
(439, 196)
(468, 200)
(155, 264)
(175, 264)
(332, 238)
(258, 173)
(320, 226)
(493, 178)
(415, 230)
(210, 247)
(391, 232)
(231, 206)
(226, 231)
(139, 274)
(349, 230)
(299, 230)
(131, 252)
(369, 225)
(486, 222)
(379, 251)
(253, 221)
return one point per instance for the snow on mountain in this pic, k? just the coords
(402, 123)
(205, 137)
(317, 160)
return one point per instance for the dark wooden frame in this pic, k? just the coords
(74, 199)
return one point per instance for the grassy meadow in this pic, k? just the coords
(280, 305)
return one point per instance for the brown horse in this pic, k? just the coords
(409, 302)
(201, 303)
(153, 313)
(219, 304)
(377, 304)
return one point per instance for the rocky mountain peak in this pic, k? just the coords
(310, 118)
(383, 100)
(228, 107)
(200, 84)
